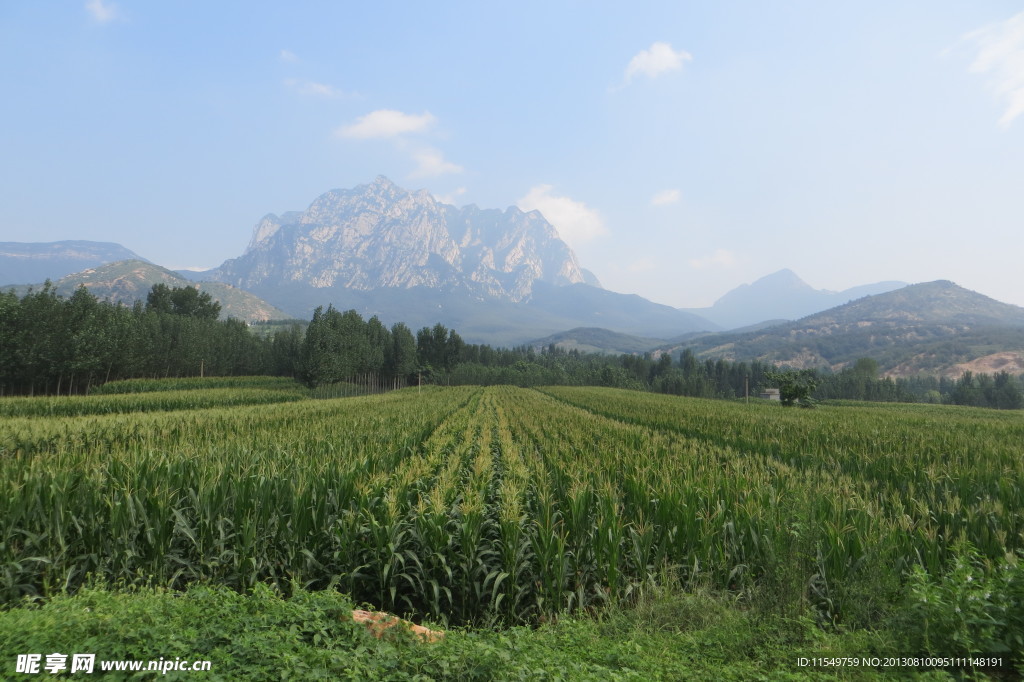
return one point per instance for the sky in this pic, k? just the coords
(680, 148)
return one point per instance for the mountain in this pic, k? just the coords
(379, 236)
(586, 306)
(781, 295)
(590, 278)
(131, 280)
(596, 340)
(39, 261)
(941, 302)
(930, 327)
(500, 277)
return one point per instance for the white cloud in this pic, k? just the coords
(1001, 57)
(314, 89)
(451, 197)
(574, 220)
(102, 13)
(659, 58)
(721, 258)
(431, 163)
(288, 56)
(387, 123)
(391, 124)
(665, 196)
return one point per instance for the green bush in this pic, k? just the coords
(974, 607)
(261, 635)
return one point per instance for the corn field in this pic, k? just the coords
(499, 504)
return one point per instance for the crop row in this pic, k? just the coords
(194, 383)
(939, 474)
(123, 403)
(227, 495)
(506, 504)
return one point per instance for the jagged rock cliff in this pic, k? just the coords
(380, 236)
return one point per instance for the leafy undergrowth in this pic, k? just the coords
(311, 636)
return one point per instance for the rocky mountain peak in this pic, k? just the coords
(380, 235)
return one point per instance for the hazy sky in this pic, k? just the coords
(681, 148)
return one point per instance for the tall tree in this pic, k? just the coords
(187, 301)
(402, 359)
(795, 386)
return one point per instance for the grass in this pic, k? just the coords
(262, 635)
(617, 526)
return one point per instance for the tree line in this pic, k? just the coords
(52, 345)
(861, 382)
(49, 345)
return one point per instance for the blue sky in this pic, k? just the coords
(681, 148)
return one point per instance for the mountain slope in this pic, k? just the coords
(596, 340)
(781, 295)
(131, 280)
(39, 261)
(626, 313)
(939, 302)
(381, 236)
(499, 277)
(923, 327)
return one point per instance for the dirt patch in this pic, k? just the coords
(1007, 361)
(379, 623)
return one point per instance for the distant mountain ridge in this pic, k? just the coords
(129, 281)
(930, 327)
(938, 302)
(506, 278)
(598, 340)
(23, 262)
(381, 236)
(781, 295)
(500, 277)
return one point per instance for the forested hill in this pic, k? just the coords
(939, 302)
(49, 344)
(24, 262)
(781, 295)
(923, 328)
(598, 340)
(128, 281)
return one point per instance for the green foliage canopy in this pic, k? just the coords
(795, 386)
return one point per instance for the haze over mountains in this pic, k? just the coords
(379, 236)
(128, 281)
(500, 277)
(25, 263)
(781, 296)
(932, 327)
(505, 278)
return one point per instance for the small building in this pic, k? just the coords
(771, 394)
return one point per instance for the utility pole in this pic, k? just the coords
(746, 388)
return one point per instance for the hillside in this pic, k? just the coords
(131, 280)
(597, 340)
(499, 277)
(22, 262)
(930, 327)
(781, 295)
(379, 235)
